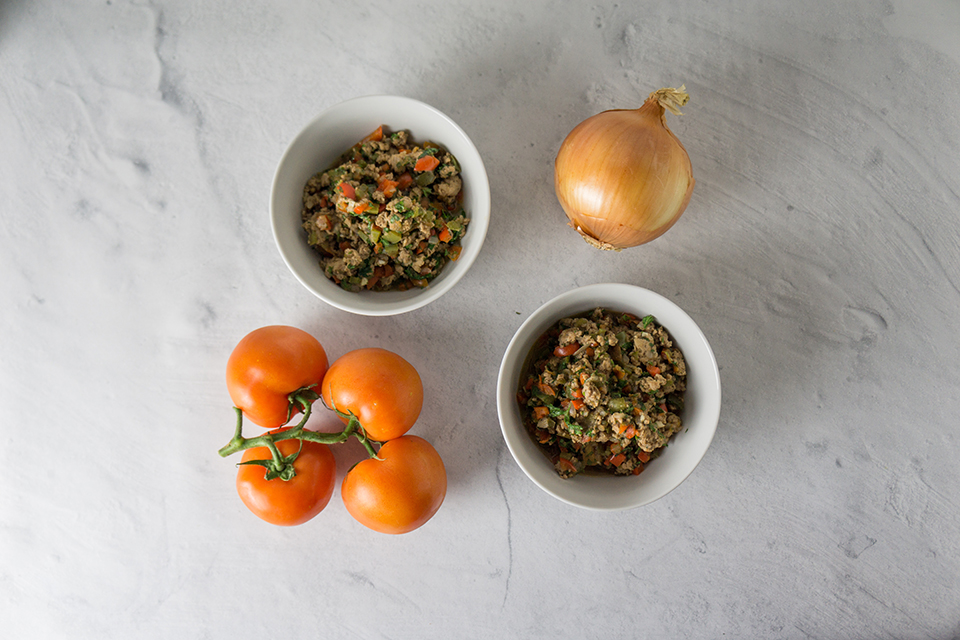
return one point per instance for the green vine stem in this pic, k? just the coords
(282, 467)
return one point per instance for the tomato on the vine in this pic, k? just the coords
(400, 489)
(294, 501)
(269, 364)
(379, 387)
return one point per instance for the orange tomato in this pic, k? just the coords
(379, 387)
(267, 365)
(398, 492)
(288, 502)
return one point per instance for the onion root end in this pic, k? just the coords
(590, 240)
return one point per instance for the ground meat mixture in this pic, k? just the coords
(603, 392)
(388, 215)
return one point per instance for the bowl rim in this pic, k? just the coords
(391, 302)
(518, 441)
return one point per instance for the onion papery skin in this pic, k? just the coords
(622, 177)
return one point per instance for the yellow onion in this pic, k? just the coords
(622, 177)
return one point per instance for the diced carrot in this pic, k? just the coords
(347, 190)
(567, 350)
(345, 245)
(616, 460)
(621, 428)
(426, 163)
(577, 393)
(567, 465)
(421, 246)
(653, 370)
(545, 388)
(361, 207)
(540, 413)
(584, 377)
(630, 432)
(387, 270)
(375, 135)
(643, 456)
(388, 187)
(445, 234)
(378, 273)
(404, 181)
(577, 404)
(454, 252)
(637, 469)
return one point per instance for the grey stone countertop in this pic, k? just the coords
(820, 255)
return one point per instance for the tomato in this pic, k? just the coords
(399, 492)
(382, 389)
(288, 502)
(269, 364)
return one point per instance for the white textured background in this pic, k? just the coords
(820, 255)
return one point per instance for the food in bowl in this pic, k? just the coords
(603, 392)
(388, 215)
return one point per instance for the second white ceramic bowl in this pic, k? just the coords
(331, 134)
(700, 415)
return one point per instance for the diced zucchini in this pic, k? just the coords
(392, 250)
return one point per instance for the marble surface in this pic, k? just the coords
(819, 254)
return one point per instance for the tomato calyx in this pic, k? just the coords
(302, 399)
(279, 466)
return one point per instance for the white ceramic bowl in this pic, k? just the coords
(700, 414)
(323, 141)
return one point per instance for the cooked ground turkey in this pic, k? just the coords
(388, 215)
(604, 392)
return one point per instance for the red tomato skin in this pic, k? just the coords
(291, 502)
(267, 365)
(401, 491)
(382, 389)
